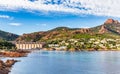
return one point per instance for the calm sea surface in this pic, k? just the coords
(60, 62)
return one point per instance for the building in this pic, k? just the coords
(29, 45)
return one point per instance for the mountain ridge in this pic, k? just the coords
(110, 28)
(8, 36)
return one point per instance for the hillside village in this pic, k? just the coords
(85, 44)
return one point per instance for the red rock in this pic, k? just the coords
(109, 21)
(5, 66)
(14, 53)
(103, 30)
(85, 30)
(9, 63)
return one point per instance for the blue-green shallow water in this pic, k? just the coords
(52, 62)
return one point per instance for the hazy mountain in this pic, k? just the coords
(8, 36)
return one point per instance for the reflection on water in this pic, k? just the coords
(61, 62)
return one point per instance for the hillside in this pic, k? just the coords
(7, 36)
(109, 29)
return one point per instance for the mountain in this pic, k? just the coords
(8, 36)
(109, 29)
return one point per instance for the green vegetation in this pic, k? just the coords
(85, 44)
(101, 36)
(4, 45)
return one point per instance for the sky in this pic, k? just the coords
(26, 16)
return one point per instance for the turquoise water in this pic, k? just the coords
(53, 62)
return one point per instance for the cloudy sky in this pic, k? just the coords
(25, 16)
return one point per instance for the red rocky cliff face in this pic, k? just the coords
(111, 21)
(103, 30)
(84, 30)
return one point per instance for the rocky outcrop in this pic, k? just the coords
(19, 53)
(85, 30)
(5, 66)
(111, 21)
(9, 63)
(103, 30)
(113, 26)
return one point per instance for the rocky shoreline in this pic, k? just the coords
(17, 53)
(78, 50)
(6, 66)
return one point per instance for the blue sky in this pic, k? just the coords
(26, 16)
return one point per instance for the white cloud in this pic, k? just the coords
(44, 24)
(94, 7)
(5, 16)
(41, 25)
(15, 24)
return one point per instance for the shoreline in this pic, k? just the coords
(5, 66)
(80, 50)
